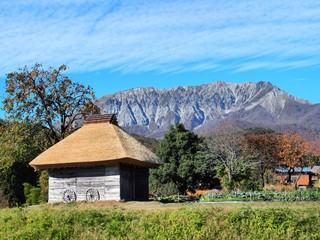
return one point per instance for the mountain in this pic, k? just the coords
(151, 111)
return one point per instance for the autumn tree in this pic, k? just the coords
(232, 162)
(314, 147)
(293, 152)
(182, 167)
(48, 97)
(265, 147)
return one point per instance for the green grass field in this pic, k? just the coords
(153, 220)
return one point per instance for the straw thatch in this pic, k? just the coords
(99, 143)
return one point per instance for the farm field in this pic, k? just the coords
(154, 220)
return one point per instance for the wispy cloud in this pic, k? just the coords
(163, 36)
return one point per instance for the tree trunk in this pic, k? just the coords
(290, 171)
(262, 179)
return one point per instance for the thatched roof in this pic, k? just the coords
(96, 143)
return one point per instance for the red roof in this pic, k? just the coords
(303, 180)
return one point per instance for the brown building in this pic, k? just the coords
(99, 161)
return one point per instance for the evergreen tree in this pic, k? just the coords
(182, 166)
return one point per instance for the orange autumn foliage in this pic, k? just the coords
(293, 150)
(197, 192)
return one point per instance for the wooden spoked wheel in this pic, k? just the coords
(69, 196)
(92, 195)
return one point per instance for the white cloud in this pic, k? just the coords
(164, 36)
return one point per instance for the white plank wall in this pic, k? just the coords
(104, 179)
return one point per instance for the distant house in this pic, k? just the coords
(99, 161)
(302, 177)
(304, 181)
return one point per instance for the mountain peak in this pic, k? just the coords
(151, 111)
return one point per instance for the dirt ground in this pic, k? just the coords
(154, 205)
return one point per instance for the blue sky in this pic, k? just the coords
(117, 45)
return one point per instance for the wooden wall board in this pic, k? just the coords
(104, 179)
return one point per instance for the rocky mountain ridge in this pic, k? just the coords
(151, 111)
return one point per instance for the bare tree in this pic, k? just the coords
(266, 147)
(228, 152)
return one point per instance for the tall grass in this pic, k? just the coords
(181, 223)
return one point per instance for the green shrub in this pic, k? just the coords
(32, 194)
(4, 203)
(177, 199)
(165, 189)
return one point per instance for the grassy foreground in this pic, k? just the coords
(151, 220)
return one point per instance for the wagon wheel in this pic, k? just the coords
(92, 195)
(69, 196)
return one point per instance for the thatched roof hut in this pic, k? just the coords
(100, 157)
(99, 142)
